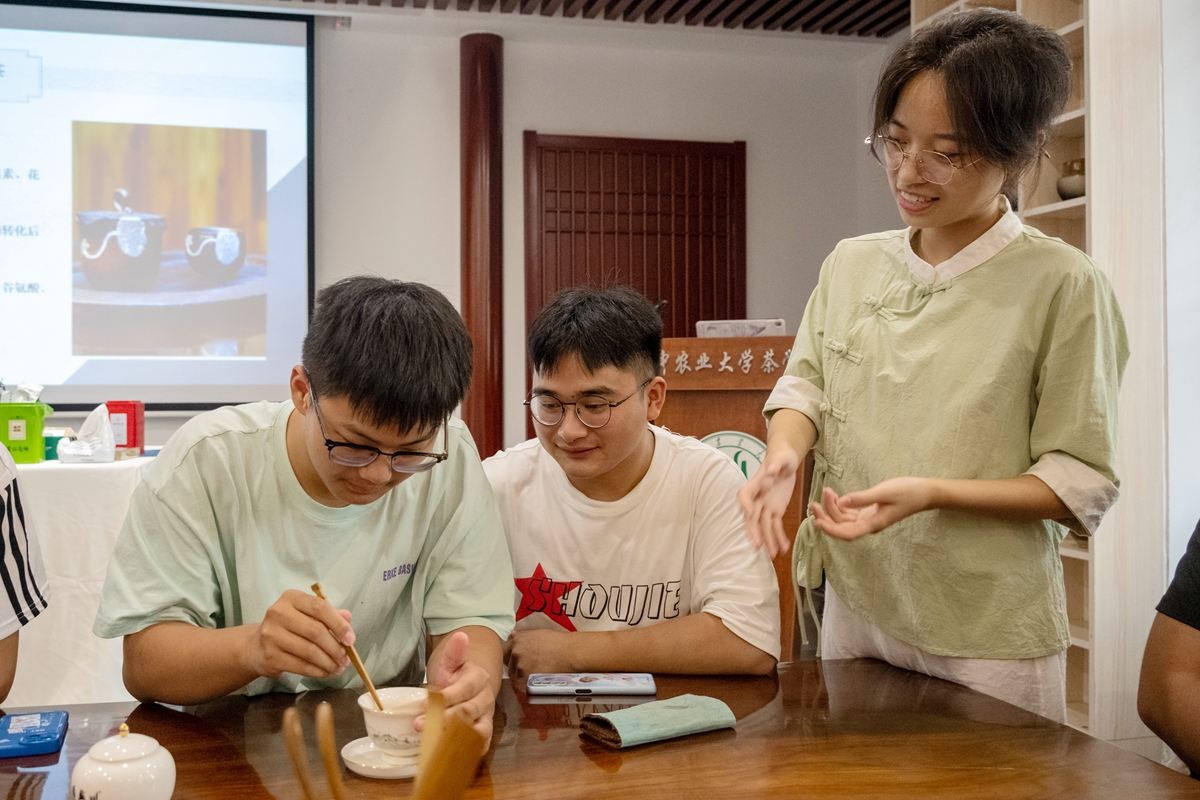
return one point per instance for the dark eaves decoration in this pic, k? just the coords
(879, 18)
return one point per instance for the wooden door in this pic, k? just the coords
(665, 217)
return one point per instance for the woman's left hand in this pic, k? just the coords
(870, 511)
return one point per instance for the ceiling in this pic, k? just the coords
(834, 17)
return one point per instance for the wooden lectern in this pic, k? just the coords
(719, 386)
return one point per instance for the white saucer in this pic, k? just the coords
(364, 758)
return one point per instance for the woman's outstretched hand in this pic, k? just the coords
(871, 510)
(765, 498)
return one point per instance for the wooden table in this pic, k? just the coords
(855, 728)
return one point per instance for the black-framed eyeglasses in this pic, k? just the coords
(361, 455)
(933, 167)
(593, 410)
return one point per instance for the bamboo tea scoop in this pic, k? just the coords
(350, 651)
(293, 736)
(328, 745)
(450, 766)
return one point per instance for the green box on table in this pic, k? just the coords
(21, 430)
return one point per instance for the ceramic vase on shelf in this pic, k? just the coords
(1073, 182)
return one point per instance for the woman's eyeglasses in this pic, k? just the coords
(933, 167)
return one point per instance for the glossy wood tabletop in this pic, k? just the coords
(834, 729)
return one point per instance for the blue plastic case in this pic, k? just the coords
(32, 734)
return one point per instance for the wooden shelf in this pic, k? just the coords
(1071, 30)
(1064, 209)
(1073, 38)
(1067, 220)
(1070, 124)
(1077, 716)
(1111, 86)
(923, 10)
(1053, 14)
(1072, 549)
(926, 11)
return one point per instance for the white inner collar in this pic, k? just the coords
(995, 239)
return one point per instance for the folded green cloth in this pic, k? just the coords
(662, 719)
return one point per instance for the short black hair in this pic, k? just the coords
(613, 327)
(398, 352)
(1006, 80)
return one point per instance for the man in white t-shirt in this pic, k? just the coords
(627, 541)
(21, 572)
(363, 483)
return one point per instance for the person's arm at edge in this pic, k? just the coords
(1025, 498)
(1168, 699)
(765, 497)
(1022, 499)
(698, 644)
(9, 646)
(466, 665)
(180, 663)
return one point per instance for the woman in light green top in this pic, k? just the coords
(958, 381)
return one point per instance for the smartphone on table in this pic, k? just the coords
(32, 734)
(589, 683)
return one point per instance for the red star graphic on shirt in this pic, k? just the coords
(539, 594)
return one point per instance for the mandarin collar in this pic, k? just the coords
(995, 239)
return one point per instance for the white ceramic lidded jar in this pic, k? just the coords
(128, 766)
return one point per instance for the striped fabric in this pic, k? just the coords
(23, 589)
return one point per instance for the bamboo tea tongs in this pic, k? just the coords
(293, 735)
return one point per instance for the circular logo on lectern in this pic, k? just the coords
(746, 451)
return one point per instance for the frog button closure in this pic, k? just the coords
(876, 305)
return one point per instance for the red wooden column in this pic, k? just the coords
(481, 78)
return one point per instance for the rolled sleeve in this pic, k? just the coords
(1073, 436)
(474, 581)
(802, 386)
(797, 394)
(1083, 490)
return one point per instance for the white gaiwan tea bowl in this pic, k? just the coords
(128, 766)
(392, 730)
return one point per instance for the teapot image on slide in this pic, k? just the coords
(215, 253)
(120, 250)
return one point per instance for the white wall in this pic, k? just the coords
(387, 152)
(876, 206)
(387, 141)
(1181, 117)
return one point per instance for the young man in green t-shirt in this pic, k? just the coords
(362, 482)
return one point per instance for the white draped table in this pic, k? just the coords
(76, 511)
